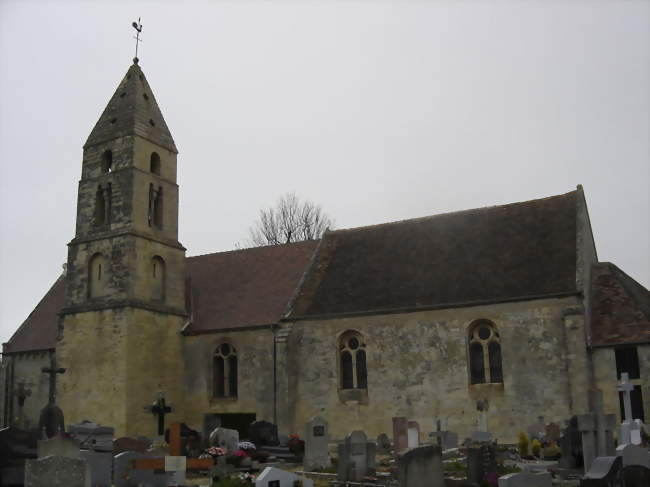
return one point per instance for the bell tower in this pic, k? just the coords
(125, 281)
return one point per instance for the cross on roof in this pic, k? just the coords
(626, 387)
(138, 27)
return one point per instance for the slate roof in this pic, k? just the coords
(132, 110)
(620, 310)
(483, 255)
(245, 288)
(39, 330)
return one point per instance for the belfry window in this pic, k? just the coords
(352, 361)
(155, 206)
(157, 278)
(154, 164)
(97, 276)
(484, 353)
(107, 161)
(224, 364)
(103, 204)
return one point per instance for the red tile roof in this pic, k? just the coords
(620, 310)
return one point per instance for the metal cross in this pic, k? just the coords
(626, 387)
(138, 27)
(52, 370)
(159, 408)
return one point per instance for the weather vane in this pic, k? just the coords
(138, 27)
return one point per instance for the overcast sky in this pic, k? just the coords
(377, 110)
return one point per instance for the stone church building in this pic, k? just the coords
(505, 309)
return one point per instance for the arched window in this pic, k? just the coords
(155, 206)
(155, 163)
(157, 278)
(484, 353)
(97, 276)
(107, 161)
(224, 364)
(103, 204)
(352, 360)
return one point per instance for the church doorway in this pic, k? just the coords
(233, 421)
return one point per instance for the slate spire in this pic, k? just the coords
(132, 111)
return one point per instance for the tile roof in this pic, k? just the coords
(39, 330)
(132, 110)
(483, 255)
(620, 310)
(245, 288)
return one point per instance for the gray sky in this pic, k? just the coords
(377, 110)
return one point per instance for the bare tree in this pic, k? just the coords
(291, 220)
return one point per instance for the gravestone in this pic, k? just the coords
(275, 477)
(175, 468)
(421, 466)
(356, 457)
(58, 446)
(225, 438)
(628, 427)
(284, 440)
(383, 444)
(400, 433)
(413, 434)
(101, 466)
(571, 445)
(597, 436)
(57, 472)
(125, 443)
(449, 440)
(481, 436)
(481, 462)
(526, 479)
(221, 469)
(633, 455)
(604, 472)
(92, 436)
(552, 432)
(316, 445)
(263, 433)
(124, 475)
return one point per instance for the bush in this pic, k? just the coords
(552, 451)
(536, 447)
(522, 444)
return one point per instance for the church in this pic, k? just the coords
(485, 319)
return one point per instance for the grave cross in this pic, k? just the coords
(159, 408)
(626, 388)
(52, 370)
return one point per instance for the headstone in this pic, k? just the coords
(604, 471)
(633, 455)
(57, 472)
(413, 434)
(627, 425)
(421, 466)
(449, 440)
(101, 467)
(221, 469)
(225, 438)
(526, 479)
(175, 467)
(481, 462)
(383, 444)
(92, 436)
(130, 444)
(275, 477)
(400, 433)
(58, 446)
(570, 445)
(124, 475)
(316, 445)
(597, 436)
(284, 440)
(481, 436)
(552, 432)
(51, 421)
(356, 457)
(263, 433)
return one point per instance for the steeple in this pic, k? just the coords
(132, 111)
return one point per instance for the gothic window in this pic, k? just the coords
(224, 364)
(627, 360)
(155, 163)
(103, 204)
(352, 359)
(158, 278)
(107, 161)
(155, 206)
(484, 353)
(97, 276)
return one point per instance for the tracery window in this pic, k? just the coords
(484, 353)
(97, 276)
(224, 364)
(352, 360)
(157, 278)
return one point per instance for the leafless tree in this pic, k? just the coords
(290, 220)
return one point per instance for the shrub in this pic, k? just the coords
(522, 444)
(536, 447)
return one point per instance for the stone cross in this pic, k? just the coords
(159, 408)
(626, 388)
(52, 370)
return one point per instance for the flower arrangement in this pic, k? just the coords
(215, 451)
(246, 445)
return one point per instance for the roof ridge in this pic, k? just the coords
(447, 213)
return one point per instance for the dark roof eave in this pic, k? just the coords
(209, 331)
(415, 309)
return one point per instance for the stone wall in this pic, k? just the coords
(418, 367)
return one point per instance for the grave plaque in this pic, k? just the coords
(316, 455)
(319, 430)
(273, 483)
